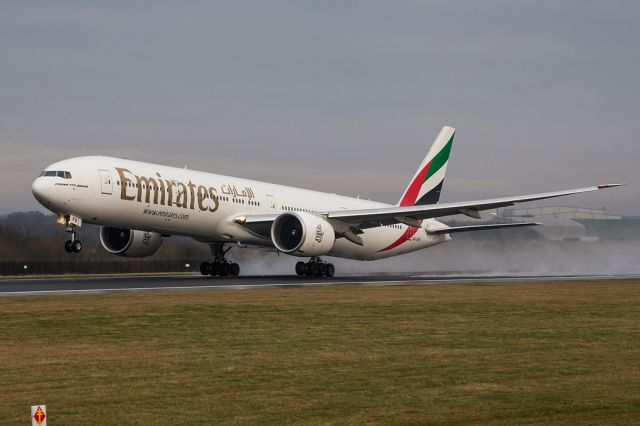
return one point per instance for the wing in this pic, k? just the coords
(356, 220)
(412, 215)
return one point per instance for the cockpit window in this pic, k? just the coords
(55, 173)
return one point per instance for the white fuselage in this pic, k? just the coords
(136, 195)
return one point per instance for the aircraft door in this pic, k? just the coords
(105, 181)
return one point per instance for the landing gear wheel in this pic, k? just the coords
(300, 268)
(76, 246)
(205, 268)
(234, 269)
(314, 268)
(215, 269)
(331, 270)
(220, 266)
(322, 269)
(224, 269)
(73, 246)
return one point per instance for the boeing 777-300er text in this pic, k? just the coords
(138, 204)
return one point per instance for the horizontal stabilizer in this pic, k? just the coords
(454, 229)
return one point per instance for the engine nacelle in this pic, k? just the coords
(129, 242)
(302, 234)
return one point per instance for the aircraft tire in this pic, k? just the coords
(67, 246)
(205, 268)
(224, 269)
(300, 268)
(234, 269)
(314, 268)
(331, 270)
(214, 269)
(322, 269)
(76, 246)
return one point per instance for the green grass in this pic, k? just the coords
(556, 352)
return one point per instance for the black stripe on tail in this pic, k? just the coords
(431, 197)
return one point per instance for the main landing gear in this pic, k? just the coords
(315, 268)
(220, 266)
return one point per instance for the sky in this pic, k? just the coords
(337, 96)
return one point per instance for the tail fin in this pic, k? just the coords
(427, 183)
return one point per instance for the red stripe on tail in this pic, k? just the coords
(411, 195)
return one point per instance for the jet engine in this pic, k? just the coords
(302, 234)
(129, 242)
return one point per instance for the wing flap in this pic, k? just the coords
(456, 229)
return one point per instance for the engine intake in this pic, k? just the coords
(302, 234)
(129, 242)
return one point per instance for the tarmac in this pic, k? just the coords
(76, 285)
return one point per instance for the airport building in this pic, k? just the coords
(576, 223)
(560, 212)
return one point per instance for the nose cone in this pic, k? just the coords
(40, 189)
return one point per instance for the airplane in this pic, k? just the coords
(138, 204)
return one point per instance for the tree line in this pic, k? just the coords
(36, 236)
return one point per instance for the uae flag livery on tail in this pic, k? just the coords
(426, 184)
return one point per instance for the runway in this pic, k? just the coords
(71, 285)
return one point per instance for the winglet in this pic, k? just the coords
(611, 185)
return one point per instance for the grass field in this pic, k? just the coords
(553, 352)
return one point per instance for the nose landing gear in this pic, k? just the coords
(72, 223)
(220, 265)
(315, 268)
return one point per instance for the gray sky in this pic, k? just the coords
(337, 96)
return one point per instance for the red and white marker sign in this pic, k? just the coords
(38, 415)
